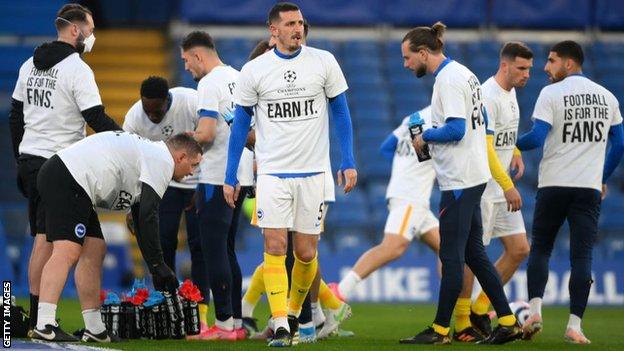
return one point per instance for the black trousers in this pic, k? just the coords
(218, 224)
(173, 204)
(581, 207)
(461, 241)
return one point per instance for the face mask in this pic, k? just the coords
(88, 43)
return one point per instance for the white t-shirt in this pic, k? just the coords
(181, 117)
(291, 99)
(457, 94)
(52, 101)
(410, 180)
(580, 113)
(503, 119)
(111, 166)
(215, 91)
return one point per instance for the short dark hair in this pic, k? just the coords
(569, 49)
(274, 13)
(426, 37)
(185, 142)
(155, 87)
(71, 13)
(513, 49)
(261, 48)
(306, 29)
(197, 38)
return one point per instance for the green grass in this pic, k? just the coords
(380, 326)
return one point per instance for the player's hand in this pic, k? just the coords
(350, 179)
(514, 200)
(419, 144)
(605, 191)
(164, 279)
(517, 165)
(130, 223)
(231, 194)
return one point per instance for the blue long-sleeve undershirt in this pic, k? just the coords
(453, 130)
(388, 147)
(614, 155)
(238, 137)
(344, 129)
(535, 137)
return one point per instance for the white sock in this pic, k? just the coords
(238, 323)
(227, 324)
(536, 306)
(93, 321)
(306, 325)
(247, 309)
(46, 314)
(280, 322)
(574, 322)
(348, 283)
(317, 314)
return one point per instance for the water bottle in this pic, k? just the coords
(415, 126)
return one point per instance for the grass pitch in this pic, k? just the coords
(380, 326)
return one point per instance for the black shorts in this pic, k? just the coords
(69, 213)
(28, 167)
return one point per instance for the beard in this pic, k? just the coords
(421, 71)
(80, 46)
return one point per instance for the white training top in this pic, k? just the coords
(503, 119)
(457, 94)
(291, 95)
(580, 113)
(52, 101)
(410, 180)
(111, 166)
(215, 92)
(180, 117)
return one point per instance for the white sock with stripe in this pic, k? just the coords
(348, 283)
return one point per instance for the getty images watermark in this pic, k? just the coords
(6, 313)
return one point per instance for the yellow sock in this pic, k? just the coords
(462, 314)
(276, 284)
(440, 329)
(203, 313)
(256, 286)
(327, 297)
(507, 321)
(301, 279)
(481, 304)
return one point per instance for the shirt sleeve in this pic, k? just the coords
(453, 100)
(208, 96)
(18, 92)
(191, 108)
(156, 167)
(85, 89)
(129, 120)
(544, 108)
(617, 115)
(492, 111)
(245, 93)
(335, 82)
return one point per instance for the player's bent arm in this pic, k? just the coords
(16, 124)
(536, 137)
(344, 129)
(616, 139)
(206, 129)
(453, 130)
(388, 147)
(251, 140)
(98, 120)
(145, 215)
(238, 138)
(496, 168)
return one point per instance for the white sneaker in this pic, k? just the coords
(532, 326)
(333, 320)
(575, 337)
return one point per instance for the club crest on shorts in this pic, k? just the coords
(260, 214)
(80, 230)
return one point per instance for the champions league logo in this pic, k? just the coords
(167, 131)
(290, 76)
(513, 107)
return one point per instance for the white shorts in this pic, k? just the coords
(498, 221)
(409, 219)
(292, 203)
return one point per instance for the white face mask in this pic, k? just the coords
(88, 43)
